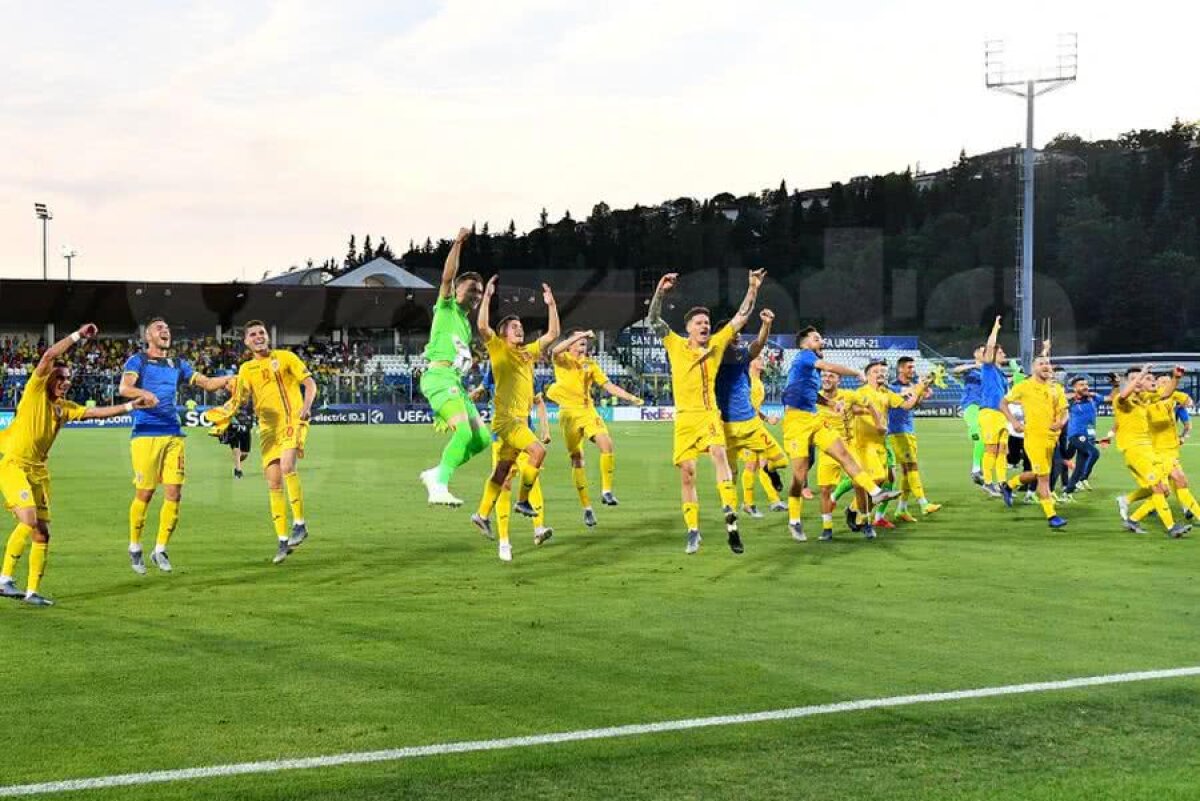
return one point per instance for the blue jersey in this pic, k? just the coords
(161, 378)
(972, 388)
(1182, 414)
(993, 386)
(900, 421)
(733, 387)
(1081, 420)
(804, 382)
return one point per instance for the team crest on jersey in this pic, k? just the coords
(24, 495)
(275, 365)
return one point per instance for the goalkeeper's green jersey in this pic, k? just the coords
(450, 335)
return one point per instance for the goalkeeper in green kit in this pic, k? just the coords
(449, 356)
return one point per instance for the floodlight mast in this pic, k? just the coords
(1028, 85)
(44, 214)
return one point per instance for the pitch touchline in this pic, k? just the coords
(396, 754)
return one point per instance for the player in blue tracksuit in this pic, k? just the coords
(1081, 434)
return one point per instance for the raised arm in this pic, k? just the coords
(654, 314)
(756, 347)
(743, 313)
(450, 270)
(571, 340)
(553, 328)
(965, 367)
(1132, 382)
(989, 350)
(46, 363)
(1172, 384)
(483, 321)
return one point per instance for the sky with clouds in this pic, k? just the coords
(219, 140)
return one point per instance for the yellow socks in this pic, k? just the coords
(1139, 495)
(538, 503)
(989, 467)
(1014, 483)
(295, 496)
(1164, 510)
(1188, 500)
(16, 546)
(608, 466)
(278, 512)
(768, 487)
(863, 481)
(915, 487)
(503, 513)
(795, 507)
(579, 474)
(748, 487)
(137, 521)
(529, 475)
(728, 494)
(1048, 507)
(491, 491)
(37, 566)
(691, 516)
(168, 518)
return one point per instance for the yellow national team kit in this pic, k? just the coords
(829, 470)
(993, 426)
(273, 383)
(751, 439)
(1043, 404)
(870, 448)
(157, 460)
(698, 424)
(1134, 440)
(1164, 431)
(24, 477)
(512, 370)
(758, 394)
(574, 378)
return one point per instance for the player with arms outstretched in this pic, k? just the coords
(24, 478)
(449, 356)
(157, 442)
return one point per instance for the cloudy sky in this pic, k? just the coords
(218, 140)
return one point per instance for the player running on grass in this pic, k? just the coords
(157, 441)
(449, 356)
(24, 478)
(694, 361)
(575, 373)
(512, 364)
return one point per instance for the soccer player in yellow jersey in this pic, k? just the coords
(1044, 404)
(875, 399)
(283, 391)
(575, 374)
(1164, 435)
(512, 362)
(694, 362)
(839, 406)
(24, 477)
(755, 467)
(1131, 402)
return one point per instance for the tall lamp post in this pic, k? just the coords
(45, 216)
(69, 253)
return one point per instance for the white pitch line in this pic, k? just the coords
(396, 754)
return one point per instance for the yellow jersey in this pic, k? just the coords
(273, 383)
(881, 399)
(844, 420)
(512, 370)
(1132, 421)
(694, 370)
(28, 438)
(1044, 403)
(758, 392)
(1160, 415)
(574, 378)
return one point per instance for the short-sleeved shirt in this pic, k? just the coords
(843, 420)
(1044, 403)
(161, 377)
(900, 420)
(804, 382)
(972, 388)
(273, 382)
(37, 422)
(1161, 415)
(512, 370)
(1132, 420)
(734, 395)
(450, 335)
(694, 370)
(993, 386)
(883, 400)
(1082, 420)
(574, 378)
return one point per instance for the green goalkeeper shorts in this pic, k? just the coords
(971, 416)
(443, 388)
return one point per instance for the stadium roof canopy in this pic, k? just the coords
(381, 273)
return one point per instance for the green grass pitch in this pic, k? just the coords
(395, 625)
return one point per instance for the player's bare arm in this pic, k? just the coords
(756, 347)
(1134, 381)
(571, 340)
(841, 369)
(450, 270)
(743, 313)
(543, 418)
(204, 382)
(553, 328)
(1017, 425)
(618, 392)
(1172, 383)
(309, 384)
(128, 390)
(989, 350)
(104, 412)
(654, 314)
(52, 354)
(483, 322)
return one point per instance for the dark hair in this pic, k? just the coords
(1076, 379)
(874, 363)
(805, 331)
(252, 324)
(505, 320)
(903, 360)
(1132, 371)
(695, 310)
(468, 276)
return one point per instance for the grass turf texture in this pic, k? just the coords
(396, 625)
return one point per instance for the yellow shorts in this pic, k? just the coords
(157, 460)
(1144, 464)
(802, 429)
(872, 458)
(752, 437)
(1040, 449)
(829, 472)
(579, 426)
(904, 447)
(25, 486)
(1169, 458)
(695, 433)
(273, 442)
(512, 438)
(512, 471)
(993, 425)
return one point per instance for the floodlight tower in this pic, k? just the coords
(1029, 82)
(45, 216)
(69, 253)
